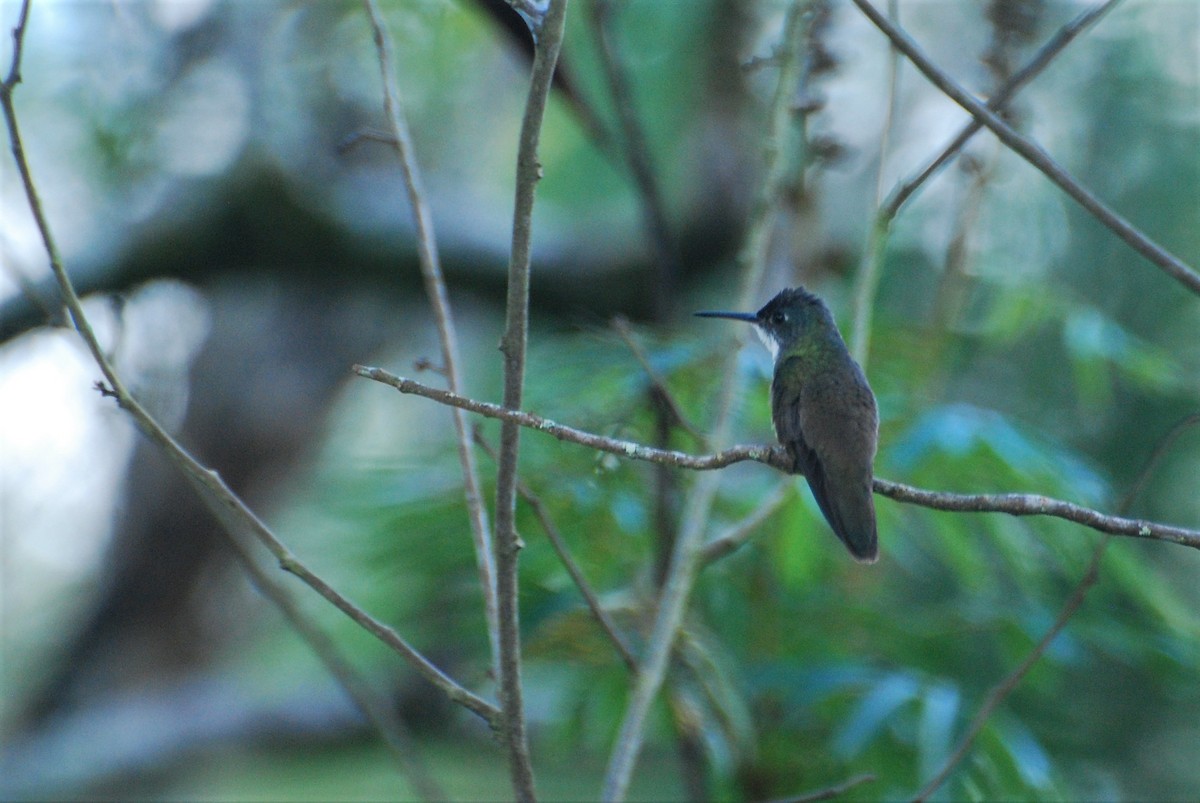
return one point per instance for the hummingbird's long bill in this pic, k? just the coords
(737, 316)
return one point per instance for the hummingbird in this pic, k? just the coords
(823, 411)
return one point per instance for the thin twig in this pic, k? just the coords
(637, 157)
(548, 36)
(1090, 576)
(831, 792)
(376, 710)
(435, 289)
(1014, 504)
(681, 574)
(739, 533)
(872, 265)
(564, 554)
(621, 325)
(996, 103)
(1172, 265)
(224, 503)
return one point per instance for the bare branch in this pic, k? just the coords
(376, 710)
(1037, 505)
(548, 36)
(661, 391)
(1047, 54)
(435, 290)
(740, 532)
(774, 456)
(18, 34)
(230, 510)
(1172, 265)
(831, 792)
(568, 560)
(621, 448)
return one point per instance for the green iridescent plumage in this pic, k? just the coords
(823, 411)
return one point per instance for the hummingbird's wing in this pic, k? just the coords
(828, 424)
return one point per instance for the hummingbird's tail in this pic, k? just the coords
(850, 511)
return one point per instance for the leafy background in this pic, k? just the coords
(240, 262)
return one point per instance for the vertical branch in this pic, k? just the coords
(868, 275)
(548, 36)
(637, 155)
(685, 558)
(435, 289)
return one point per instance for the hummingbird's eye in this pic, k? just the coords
(779, 318)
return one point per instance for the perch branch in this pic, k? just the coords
(1172, 265)
(1013, 504)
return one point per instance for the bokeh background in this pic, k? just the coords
(241, 247)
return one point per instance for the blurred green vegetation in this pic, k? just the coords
(1053, 361)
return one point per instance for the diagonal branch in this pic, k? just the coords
(435, 289)
(1170, 264)
(1055, 45)
(888, 209)
(1004, 687)
(1090, 576)
(229, 509)
(1012, 504)
(376, 710)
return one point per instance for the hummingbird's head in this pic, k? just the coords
(787, 319)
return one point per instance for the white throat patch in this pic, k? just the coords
(768, 341)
